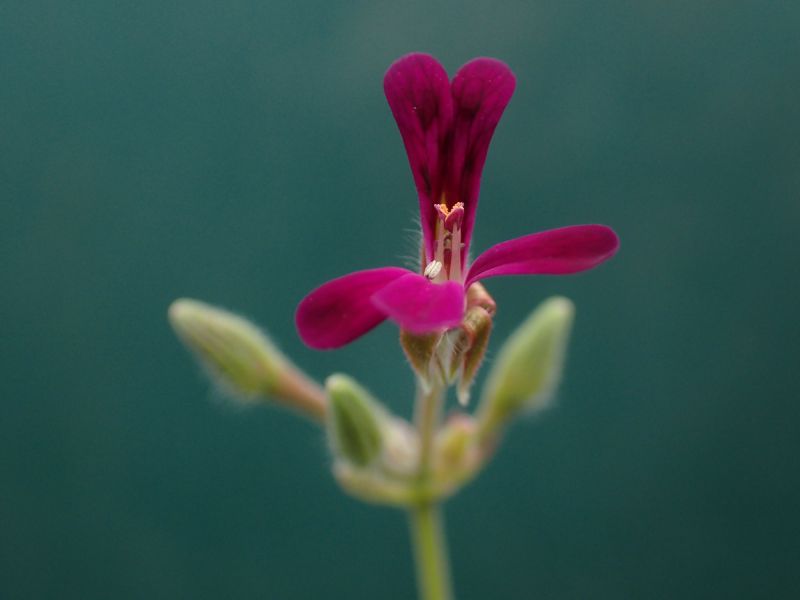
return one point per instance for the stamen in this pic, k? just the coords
(439, 245)
(455, 255)
(433, 269)
(447, 249)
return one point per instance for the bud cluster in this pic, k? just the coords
(377, 454)
(379, 457)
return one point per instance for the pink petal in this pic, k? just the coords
(554, 252)
(421, 306)
(418, 92)
(340, 310)
(481, 90)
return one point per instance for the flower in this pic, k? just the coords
(446, 128)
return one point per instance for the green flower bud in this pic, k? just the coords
(242, 359)
(355, 421)
(528, 367)
(455, 441)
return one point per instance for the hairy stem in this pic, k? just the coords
(303, 395)
(425, 519)
(427, 410)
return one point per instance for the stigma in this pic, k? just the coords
(450, 217)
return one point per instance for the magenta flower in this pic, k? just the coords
(446, 128)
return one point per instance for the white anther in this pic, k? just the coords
(433, 269)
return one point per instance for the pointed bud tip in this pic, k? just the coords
(182, 309)
(339, 384)
(559, 307)
(236, 353)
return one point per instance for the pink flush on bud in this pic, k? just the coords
(446, 127)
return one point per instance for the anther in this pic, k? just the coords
(433, 269)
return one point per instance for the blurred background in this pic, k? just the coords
(242, 152)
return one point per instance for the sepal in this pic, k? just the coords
(469, 348)
(420, 350)
(477, 295)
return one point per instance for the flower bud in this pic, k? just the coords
(240, 357)
(234, 350)
(454, 441)
(529, 365)
(354, 421)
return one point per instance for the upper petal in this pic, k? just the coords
(418, 92)
(481, 90)
(421, 306)
(340, 310)
(554, 252)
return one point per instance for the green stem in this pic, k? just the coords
(425, 518)
(430, 553)
(427, 409)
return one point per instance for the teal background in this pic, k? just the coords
(242, 152)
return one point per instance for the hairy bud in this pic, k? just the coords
(354, 421)
(528, 367)
(242, 359)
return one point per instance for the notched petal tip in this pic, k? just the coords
(483, 84)
(339, 311)
(414, 60)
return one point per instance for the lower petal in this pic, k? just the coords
(340, 310)
(554, 252)
(421, 306)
